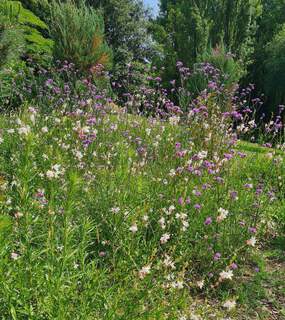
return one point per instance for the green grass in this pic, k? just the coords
(79, 223)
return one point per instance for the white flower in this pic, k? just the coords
(134, 228)
(177, 285)
(44, 129)
(56, 167)
(223, 214)
(200, 284)
(252, 124)
(78, 155)
(168, 262)
(24, 130)
(145, 218)
(165, 237)
(226, 275)
(202, 155)
(174, 120)
(50, 174)
(144, 271)
(269, 155)
(32, 118)
(18, 214)
(251, 242)
(161, 221)
(229, 304)
(115, 210)
(14, 256)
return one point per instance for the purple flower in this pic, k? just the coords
(179, 64)
(197, 193)
(217, 256)
(219, 179)
(208, 221)
(242, 155)
(234, 195)
(228, 156)
(233, 266)
(180, 201)
(177, 145)
(242, 223)
(197, 173)
(197, 206)
(49, 82)
(252, 229)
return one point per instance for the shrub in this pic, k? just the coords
(275, 69)
(78, 32)
(21, 25)
(20, 40)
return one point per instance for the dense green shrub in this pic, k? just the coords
(275, 68)
(20, 40)
(126, 26)
(78, 32)
(229, 70)
(186, 28)
(18, 24)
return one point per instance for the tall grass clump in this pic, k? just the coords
(78, 32)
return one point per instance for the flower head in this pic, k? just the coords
(226, 275)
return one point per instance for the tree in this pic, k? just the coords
(187, 28)
(78, 33)
(270, 23)
(126, 27)
(274, 80)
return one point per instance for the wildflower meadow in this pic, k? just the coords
(127, 196)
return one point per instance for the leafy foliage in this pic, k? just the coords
(228, 67)
(126, 27)
(26, 24)
(269, 25)
(20, 40)
(187, 29)
(275, 68)
(78, 32)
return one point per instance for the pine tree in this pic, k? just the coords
(78, 33)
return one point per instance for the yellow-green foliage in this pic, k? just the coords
(21, 33)
(78, 32)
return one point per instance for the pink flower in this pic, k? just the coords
(165, 237)
(208, 221)
(144, 271)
